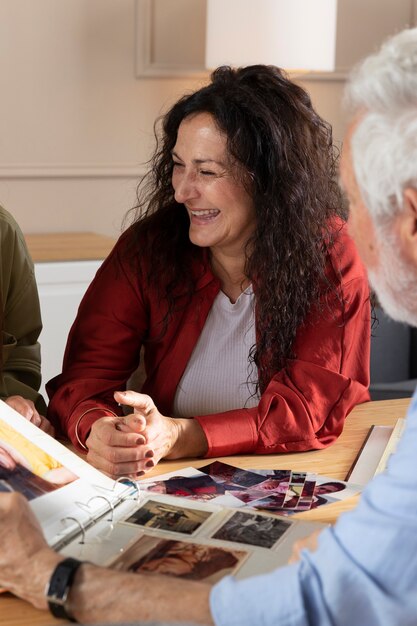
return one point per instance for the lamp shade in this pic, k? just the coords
(292, 34)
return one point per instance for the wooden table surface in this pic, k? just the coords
(334, 461)
(51, 247)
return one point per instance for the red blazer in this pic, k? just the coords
(302, 408)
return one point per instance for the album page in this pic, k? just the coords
(66, 493)
(169, 535)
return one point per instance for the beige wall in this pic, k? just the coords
(76, 123)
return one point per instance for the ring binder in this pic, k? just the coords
(109, 502)
(129, 481)
(77, 521)
(84, 506)
(75, 508)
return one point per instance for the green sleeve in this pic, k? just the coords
(21, 323)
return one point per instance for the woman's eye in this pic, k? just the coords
(207, 173)
(177, 164)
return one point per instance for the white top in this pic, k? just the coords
(218, 376)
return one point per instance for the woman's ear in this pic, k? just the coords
(408, 223)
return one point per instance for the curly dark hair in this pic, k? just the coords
(274, 133)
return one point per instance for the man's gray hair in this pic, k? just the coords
(383, 89)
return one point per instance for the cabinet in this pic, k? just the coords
(65, 264)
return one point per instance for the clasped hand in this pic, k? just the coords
(131, 445)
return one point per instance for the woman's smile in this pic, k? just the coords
(209, 184)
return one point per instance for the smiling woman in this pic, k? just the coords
(206, 181)
(238, 280)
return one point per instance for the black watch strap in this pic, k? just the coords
(59, 587)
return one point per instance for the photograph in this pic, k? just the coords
(199, 487)
(273, 486)
(223, 472)
(249, 496)
(187, 560)
(25, 468)
(298, 478)
(253, 529)
(162, 516)
(330, 491)
(270, 503)
(308, 489)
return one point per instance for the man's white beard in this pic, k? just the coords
(395, 280)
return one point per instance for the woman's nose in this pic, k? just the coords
(185, 187)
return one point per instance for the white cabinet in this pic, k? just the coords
(61, 286)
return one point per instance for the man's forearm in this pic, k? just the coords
(100, 594)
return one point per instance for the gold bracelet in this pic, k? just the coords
(93, 408)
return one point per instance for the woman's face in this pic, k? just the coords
(221, 212)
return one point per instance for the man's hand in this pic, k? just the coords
(308, 543)
(117, 446)
(29, 412)
(26, 561)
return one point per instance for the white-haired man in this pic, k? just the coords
(364, 570)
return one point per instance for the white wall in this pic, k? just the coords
(76, 124)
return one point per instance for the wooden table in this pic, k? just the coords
(334, 461)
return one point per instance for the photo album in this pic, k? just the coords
(202, 531)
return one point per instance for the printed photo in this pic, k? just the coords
(168, 517)
(271, 503)
(274, 485)
(253, 529)
(329, 492)
(308, 489)
(249, 496)
(25, 468)
(191, 561)
(200, 487)
(298, 478)
(269, 473)
(225, 473)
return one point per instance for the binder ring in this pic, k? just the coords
(109, 502)
(77, 521)
(129, 481)
(85, 508)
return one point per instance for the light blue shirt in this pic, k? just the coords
(364, 572)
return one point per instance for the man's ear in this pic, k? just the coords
(408, 223)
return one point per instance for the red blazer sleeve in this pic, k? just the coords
(109, 329)
(305, 405)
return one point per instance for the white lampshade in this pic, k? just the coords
(292, 34)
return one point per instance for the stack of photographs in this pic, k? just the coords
(283, 491)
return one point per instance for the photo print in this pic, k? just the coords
(199, 487)
(230, 475)
(25, 468)
(187, 560)
(253, 529)
(163, 516)
(283, 491)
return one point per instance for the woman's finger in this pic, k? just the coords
(138, 401)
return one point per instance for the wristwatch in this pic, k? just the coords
(60, 586)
